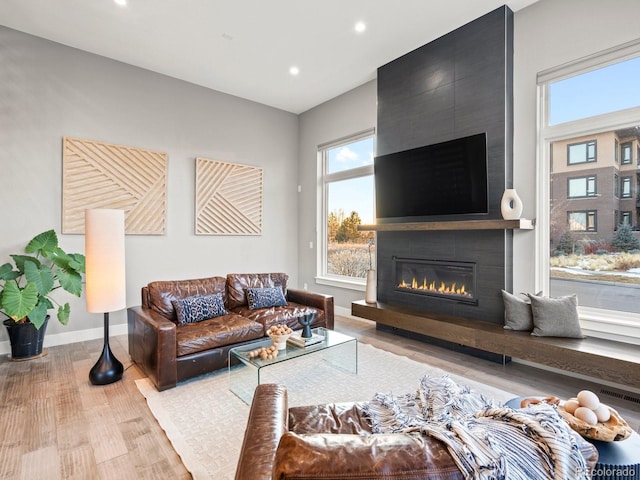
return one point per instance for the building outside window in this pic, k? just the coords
(347, 200)
(589, 133)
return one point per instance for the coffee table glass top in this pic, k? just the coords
(245, 372)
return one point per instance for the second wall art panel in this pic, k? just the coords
(228, 198)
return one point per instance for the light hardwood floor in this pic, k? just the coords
(54, 424)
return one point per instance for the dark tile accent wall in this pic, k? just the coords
(458, 85)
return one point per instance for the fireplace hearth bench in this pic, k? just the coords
(599, 358)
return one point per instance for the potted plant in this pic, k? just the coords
(26, 287)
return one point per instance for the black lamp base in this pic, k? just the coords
(108, 368)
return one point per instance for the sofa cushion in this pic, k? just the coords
(238, 283)
(162, 293)
(216, 332)
(346, 417)
(287, 315)
(196, 309)
(380, 456)
(265, 297)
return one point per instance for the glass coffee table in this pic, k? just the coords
(245, 374)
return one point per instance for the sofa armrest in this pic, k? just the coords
(317, 300)
(267, 422)
(152, 346)
(349, 456)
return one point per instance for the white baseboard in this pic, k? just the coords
(52, 340)
(343, 312)
(72, 337)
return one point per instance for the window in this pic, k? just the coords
(347, 198)
(625, 187)
(581, 187)
(586, 104)
(582, 221)
(581, 153)
(625, 153)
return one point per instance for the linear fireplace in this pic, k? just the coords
(448, 280)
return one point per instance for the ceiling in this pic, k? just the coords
(246, 47)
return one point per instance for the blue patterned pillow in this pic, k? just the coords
(198, 308)
(265, 297)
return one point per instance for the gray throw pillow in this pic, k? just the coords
(517, 312)
(555, 317)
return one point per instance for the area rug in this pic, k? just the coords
(205, 422)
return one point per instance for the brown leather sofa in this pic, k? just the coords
(334, 442)
(169, 353)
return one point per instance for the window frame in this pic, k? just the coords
(598, 322)
(589, 214)
(324, 179)
(588, 180)
(587, 158)
(626, 147)
(626, 180)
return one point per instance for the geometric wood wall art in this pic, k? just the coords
(228, 198)
(103, 175)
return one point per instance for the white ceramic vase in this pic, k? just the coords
(511, 205)
(370, 293)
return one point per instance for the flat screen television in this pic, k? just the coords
(448, 178)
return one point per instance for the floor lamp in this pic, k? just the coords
(105, 281)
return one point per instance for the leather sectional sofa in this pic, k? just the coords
(334, 441)
(169, 352)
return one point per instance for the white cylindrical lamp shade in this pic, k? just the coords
(104, 260)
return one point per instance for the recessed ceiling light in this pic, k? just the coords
(294, 70)
(360, 27)
(122, 3)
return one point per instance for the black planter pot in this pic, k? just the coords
(26, 341)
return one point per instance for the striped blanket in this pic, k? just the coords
(486, 440)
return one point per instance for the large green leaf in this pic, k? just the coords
(18, 303)
(41, 277)
(8, 273)
(21, 259)
(59, 257)
(70, 281)
(39, 314)
(63, 313)
(77, 262)
(43, 243)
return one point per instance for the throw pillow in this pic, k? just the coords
(265, 297)
(555, 317)
(517, 312)
(198, 308)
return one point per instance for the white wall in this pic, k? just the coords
(342, 116)
(48, 91)
(547, 34)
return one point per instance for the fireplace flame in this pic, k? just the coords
(433, 287)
